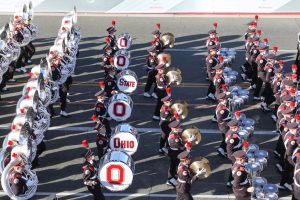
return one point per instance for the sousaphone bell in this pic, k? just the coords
(198, 164)
(168, 40)
(191, 132)
(181, 107)
(173, 76)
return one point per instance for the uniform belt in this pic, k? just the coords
(245, 182)
(150, 67)
(160, 87)
(180, 181)
(174, 149)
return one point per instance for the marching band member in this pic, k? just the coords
(161, 86)
(233, 144)
(100, 114)
(176, 146)
(261, 61)
(156, 42)
(185, 178)
(290, 142)
(151, 71)
(110, 82)
(166, 117)
(112, 41)
(211, 62)
(240, 182)
(223, 116)
(90, 173)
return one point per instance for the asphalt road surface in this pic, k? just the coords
(60, 166)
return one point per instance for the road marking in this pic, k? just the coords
(237, 50)
(84, 194)
(141, 130)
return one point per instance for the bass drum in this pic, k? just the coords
(125, 138)
(122, 59)
(120, 107)
(127, 81)
(124, 41)
(31, 181)
(116, 171)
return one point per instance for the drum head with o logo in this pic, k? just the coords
(115, 172)
(121, 61)
(119, 107)
(124, 41)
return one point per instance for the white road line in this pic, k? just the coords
(238, 50)
(142, 130)
(84, 194)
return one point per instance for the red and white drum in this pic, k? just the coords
(120, 107)
(122, 59)
(127, 81)
(116, 171)
(124, 41)
(124, 139)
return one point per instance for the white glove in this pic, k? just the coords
(202, 171)
(192, 138)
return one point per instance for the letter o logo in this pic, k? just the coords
(119, 109)
(123, 42)
(115, 174)
(121, 61)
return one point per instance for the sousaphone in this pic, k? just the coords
(168, 40)
(173, 76)
(181, 107)
(198, 164)
(191, 132)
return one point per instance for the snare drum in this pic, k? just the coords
(116, 171)
(271, 196)
(248, 122)
(253, 168)
(120, 107)
(244, 134)
(124, 41)
(270, 188)
(127, 81)
(122, 59)
(259, 182)
(124, 139)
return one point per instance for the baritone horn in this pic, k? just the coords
(198, 164)
(174, 76)
(191, 133)
(168, 40)
(164, 58)
(181, 107)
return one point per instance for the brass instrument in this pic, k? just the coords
(168, 40)
(173, 76)
(198, 164)
(160, 59)
(191, 132)
(181, 107)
